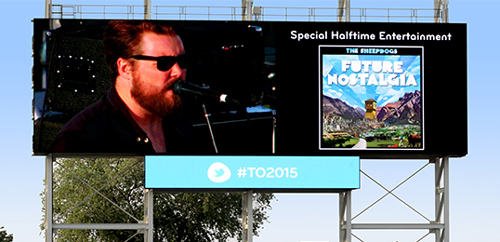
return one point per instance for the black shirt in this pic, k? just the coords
(108, 127)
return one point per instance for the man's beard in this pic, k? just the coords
(154, 99)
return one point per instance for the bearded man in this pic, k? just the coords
(138, 114)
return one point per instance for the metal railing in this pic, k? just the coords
(97, 11)
(59, 11)
(392, 15)
(196, 13)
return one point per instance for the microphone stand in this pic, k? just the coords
(207, 117)
(273, 148)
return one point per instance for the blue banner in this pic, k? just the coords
(252, 172)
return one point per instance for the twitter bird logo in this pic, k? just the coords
(218, 172)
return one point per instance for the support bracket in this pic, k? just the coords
(143, 227)
(439, 226)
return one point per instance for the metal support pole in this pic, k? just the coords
(446, 233)
(344, 11)
(442, 198)
(147, 9)
(345, 224)
(148, 215)
(446, 16)
(48, 198)
(348, 11)
(48, 6)
(441, 13)
(247, 216)
(340, 11)
(437, 10)
(438, 205)
(243, 9)
(250, 216)
(247, 10)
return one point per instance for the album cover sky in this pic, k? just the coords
(371, 97)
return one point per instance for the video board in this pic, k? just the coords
(373, 90)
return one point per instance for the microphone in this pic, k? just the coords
(185, 89)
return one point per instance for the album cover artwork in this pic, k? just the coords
(371, 97)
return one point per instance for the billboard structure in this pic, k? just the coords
(295, 85)
(373, 90)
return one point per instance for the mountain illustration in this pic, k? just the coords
(339, 108)
(407, 110)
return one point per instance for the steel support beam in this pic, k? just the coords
(441, 11)
(345, 225)
(405, 226)
(148, 215)
(103, 226)
(147, 9)
(246, 10)
(48, 6)
(247, 216)
(442, 199)
(49, 222)
(344, 11)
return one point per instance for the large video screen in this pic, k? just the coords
(133, 87)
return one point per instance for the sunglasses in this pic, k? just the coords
(164, 63)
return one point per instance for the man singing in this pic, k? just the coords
(138, 114)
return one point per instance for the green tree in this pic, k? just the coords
(177, 216)
(4, 237)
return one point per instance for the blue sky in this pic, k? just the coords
(475, 215)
